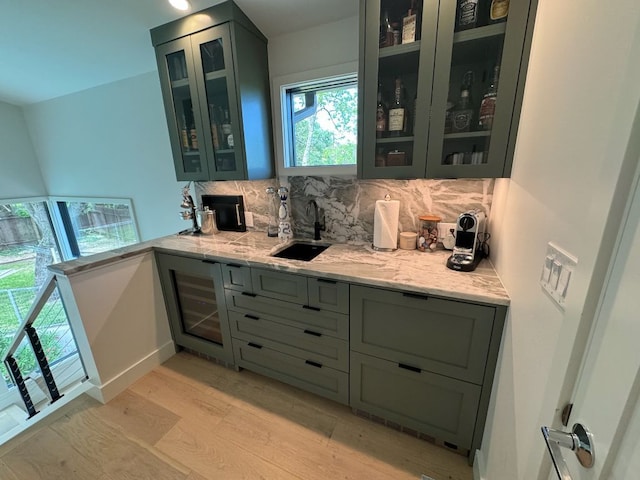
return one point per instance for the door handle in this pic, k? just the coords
(579, 440)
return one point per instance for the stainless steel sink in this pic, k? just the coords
(301, 250)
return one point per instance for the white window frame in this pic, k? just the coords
(280, 85)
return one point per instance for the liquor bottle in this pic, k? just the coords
(488, 104)
(215, 132)
(467, 14)
(381, 115)
(410, 25)
(193, 133)
(184, 135)
(227, 136)
(498, 11)
(462, 116)
(386, 31)
(397, 111)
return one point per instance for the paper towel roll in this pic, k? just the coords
(385, 225)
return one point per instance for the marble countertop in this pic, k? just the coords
(411, 270)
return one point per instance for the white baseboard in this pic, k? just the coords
(479, 469)
(113, 387)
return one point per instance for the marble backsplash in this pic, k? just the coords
(349, 203)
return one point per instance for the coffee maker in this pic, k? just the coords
(466, 252)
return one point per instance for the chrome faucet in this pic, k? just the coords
(317, 225)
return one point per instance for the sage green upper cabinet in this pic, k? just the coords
(214, 77)
(459, 80)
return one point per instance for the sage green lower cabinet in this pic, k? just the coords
(195, 302)
(440, 406)
(280, 329)
(424, 362)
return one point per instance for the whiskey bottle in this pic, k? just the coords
(227, 136)
(184, 135)
(467, 14)
(462, 116)
(488, 104)
(386, 31)
(397, 112)
(498, 11)
(381, 115)
(410, 25)
(193, 133)
(215, 132)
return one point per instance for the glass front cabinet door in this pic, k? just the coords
(194, 298)
(216, 96)
(442, 84)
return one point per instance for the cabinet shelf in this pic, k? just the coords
(463, 135)
(397, 50)
(480, 33)
(215, 75)
(387, 140)
(182, 83)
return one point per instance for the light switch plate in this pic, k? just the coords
(557, 269)
(248, 219)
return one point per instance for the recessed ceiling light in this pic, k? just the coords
(180, 4)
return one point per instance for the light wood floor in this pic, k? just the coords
(190, 419)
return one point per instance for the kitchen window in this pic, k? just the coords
(316, 131)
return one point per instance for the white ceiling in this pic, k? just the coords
(51, 48)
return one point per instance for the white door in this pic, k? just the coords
(606, 400)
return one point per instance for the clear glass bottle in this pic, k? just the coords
(462, 116)
(488, 104)
(273, 204)
(397, 111)
(381, 115)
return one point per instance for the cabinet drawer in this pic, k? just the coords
(328, 294)
(236, 277)
(280, 285)
(323, 381)
(295, 341)
(443, 336)
(432, 404)
(320, 321)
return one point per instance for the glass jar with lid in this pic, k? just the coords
(428, 232)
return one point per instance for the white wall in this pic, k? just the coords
(583, 88)
(317, 47)
(119, 320)
(111, 141)
(18, 163)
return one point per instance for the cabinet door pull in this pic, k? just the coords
(313, 364)
(213, 262)
(311, 332)
(254, 345)
(415, 295)
(309, 307)
(247, 294)
(324, 280)
(234, 265)
(409, 367)
(252, 317)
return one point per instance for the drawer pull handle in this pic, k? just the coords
(254, 345)
(252, 317)
(309, 307)
(311, 332)
(234, 265)
(416, 296)
(247, 294)
(410, 368)
(324, 280)
(313, 364)
(213, 262)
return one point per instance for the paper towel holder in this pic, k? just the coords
(386, 241)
